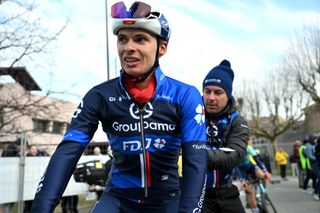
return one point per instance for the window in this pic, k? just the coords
(58, 127)
(1, 117)
(41, 126)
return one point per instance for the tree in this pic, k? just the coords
(23, 38)
(272, 106)
(22, 35)
(302, 59)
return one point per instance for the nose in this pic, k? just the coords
(212, 96)
(129, 46)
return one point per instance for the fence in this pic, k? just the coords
(20, 176)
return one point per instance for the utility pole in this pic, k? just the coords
(107, 40)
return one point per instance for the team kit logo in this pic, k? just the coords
(200, 115)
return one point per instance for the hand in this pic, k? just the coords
(243, 185)
(268, 176)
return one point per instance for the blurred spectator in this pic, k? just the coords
(281, 158)
(295, 161)
(12, 150)
(308, 152)
(97, 152)
(265, 158)
(69, 204)
(32, 152)
(316, 168)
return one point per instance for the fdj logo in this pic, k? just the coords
(135, 145)
(135, 112)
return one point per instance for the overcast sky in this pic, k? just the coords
(252, 34)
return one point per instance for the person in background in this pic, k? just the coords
(304, 162)
(227, 133)
(251, 168)
(32, 152)
(265, 158)
(317, 156)
(148, 118)
(295, 162)
(97, 154)
(69, 204)
(308, 153)
(281, 158)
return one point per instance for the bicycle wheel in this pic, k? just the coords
(266, 204)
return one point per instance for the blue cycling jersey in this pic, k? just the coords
(145, 143)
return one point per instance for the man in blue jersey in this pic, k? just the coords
(148, 118)
(227, 133)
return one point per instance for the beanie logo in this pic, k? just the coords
(212, 80)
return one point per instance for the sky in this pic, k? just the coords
(251, 34)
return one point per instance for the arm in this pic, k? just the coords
(65, 158)
(237, 141)
(194, 157)
(57, 176)
(308, 152)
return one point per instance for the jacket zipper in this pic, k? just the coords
(143, 146)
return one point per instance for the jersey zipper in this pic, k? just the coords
(144, 155)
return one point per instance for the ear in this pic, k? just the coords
(163, 48)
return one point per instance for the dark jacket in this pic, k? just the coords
(232, 135)
(317, 151)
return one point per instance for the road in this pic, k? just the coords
(289, 198)
(286, 196)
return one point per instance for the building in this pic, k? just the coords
(43, 119)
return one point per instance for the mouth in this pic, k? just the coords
(130, 59)
(212, 107)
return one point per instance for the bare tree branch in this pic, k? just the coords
(302, 59)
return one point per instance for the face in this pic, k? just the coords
(137, 50)
(97, 151)
(215, 99)
(250, 141)
(33, 150)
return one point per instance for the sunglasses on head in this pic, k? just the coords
(137, 10)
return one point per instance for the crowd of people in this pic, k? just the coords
(306, 166)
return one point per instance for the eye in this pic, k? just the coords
(121, 39)
(141, 39)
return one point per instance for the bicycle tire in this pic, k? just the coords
(266, 204)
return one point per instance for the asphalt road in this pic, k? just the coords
(286, 196)
(289, 198)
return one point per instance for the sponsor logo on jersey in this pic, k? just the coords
(78, 110)
(135, 145)
(135, 113)
(160, 143)
(200, 116)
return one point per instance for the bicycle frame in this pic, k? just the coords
(263, 200)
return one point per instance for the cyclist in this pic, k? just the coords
(250, 169)
(227, 133)
(148, 118)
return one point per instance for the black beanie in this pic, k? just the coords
(222, 76)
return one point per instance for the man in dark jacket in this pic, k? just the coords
(228, 134)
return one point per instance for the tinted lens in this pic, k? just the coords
(119, 10)
(140, 10)
(137, 10)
